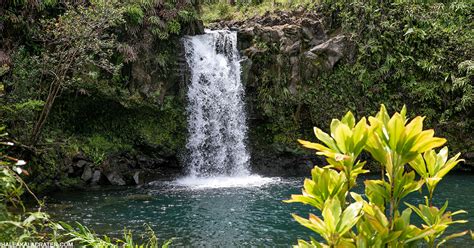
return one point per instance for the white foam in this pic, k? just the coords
(223, 181)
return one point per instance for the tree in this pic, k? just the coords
(77, 43)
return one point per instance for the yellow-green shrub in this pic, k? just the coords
(376, 219)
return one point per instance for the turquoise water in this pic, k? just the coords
(220, 217)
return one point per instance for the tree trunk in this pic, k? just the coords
(53, 92)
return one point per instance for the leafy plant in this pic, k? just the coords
(376, 220)
(77, 43)
(83, 236)
(402, 52)
(17, 225)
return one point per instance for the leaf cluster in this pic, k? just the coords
(376, 220)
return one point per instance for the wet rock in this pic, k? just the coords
(115, 178)
(245, 37)
(81, 163)
(87, 173)
(138, 178)
(96, 177)
(127, 169)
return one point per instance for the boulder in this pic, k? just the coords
(115, 178)
(81, 163)
(139, 168)
(96, 177)
(270, 34)
(137, 177)
(328, 53)
(80, 156)
(87, 173)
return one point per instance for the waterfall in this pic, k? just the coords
(217, 127)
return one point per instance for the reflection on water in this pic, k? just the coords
(224, 217)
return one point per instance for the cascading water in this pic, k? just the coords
(217, 129)
(216, 113)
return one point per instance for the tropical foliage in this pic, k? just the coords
(93, 77)
(400, 52)
(17, 225)
(377, 219)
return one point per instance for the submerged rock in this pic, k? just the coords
(139, 197)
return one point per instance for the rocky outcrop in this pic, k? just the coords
(296, 43)
(328, 53)
(97, 178)
(124, 168)
(283, 51)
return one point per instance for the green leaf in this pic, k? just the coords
(305, 200)
(316, 224)
(331, 213)
(418, 164)
(349, 217)
(396, 128)
(348, 119)
(341, 133)
(326, 139)
(360, 136)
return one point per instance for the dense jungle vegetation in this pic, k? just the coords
(99, 78)
(404, 53)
